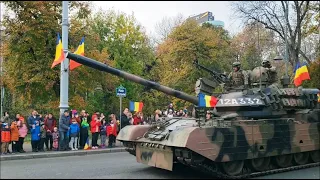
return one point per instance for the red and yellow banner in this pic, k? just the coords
(301, 74)
(79, 51)
(59, 53)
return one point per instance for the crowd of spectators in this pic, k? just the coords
(71, 131)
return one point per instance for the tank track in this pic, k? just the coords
(246, 172)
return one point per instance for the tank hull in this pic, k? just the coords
(242, 140)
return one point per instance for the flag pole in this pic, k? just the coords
(64, 76)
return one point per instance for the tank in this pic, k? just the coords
(255, 131)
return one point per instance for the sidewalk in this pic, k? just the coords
(47, 154)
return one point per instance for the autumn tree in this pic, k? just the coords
(185, 44)
(253, 44)
(128, 50)
(272, 14)
(30, 48)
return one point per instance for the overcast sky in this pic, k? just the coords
(148, 13)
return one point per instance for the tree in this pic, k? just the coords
(30, 49)
(253, 44)
(273, 16)
(166, 25)
(176, 54)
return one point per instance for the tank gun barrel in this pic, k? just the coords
(221, 78)
(103, 67)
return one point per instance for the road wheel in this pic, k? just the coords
(283, 161)
(260, 164)
(301, 158)
(232, 168)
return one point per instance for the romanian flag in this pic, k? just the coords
(207, 101)
(59, 52)
(136, 106)
(79, 51)
(301, 74)
(86, 146)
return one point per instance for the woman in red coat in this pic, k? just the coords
(95, 129)
(112, 130)
(137, 119)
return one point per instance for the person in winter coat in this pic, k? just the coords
(35, 136)
(64, 124)
(43, 136)
(95, 129)
(74, 134)
(55, 138)
(5, 138)
(34, 117)
(14, 136)
(23, 130)
(84, 126)
(137, 119)
(49, 124)
(103, 133)
(112, 130)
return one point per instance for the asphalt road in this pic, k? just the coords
(112, 165)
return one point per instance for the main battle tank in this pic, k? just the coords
(252, 131)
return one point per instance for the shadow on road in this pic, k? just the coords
(179, 172)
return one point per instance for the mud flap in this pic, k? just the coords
(156, 157)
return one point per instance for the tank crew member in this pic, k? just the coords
(271, 71)
(238, 78)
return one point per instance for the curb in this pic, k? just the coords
(60, 154)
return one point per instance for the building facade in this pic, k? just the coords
(207, 17)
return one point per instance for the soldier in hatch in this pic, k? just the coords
(238, 78)
(271, 71)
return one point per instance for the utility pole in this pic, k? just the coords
(1, 59)
(64, 76)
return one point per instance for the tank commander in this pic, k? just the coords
(238, 78)
(271, 71)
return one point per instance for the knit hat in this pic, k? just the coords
(74, 111)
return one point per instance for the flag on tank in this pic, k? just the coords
(59, 52)
(79, 51)
(86, 146)
(207, 101)
(136, 106)
(301, 74)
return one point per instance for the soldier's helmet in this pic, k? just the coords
(266, 63)
(236, 64)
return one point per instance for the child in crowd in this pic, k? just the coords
(23, 130)
(112, 130)
(14, 136)
(35, 136)
(103, 133)
(5, 138)
(43, 137)
(55, 137)
(74, 134)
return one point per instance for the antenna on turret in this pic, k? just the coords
(259, 54)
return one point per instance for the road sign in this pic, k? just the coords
(121, 91)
